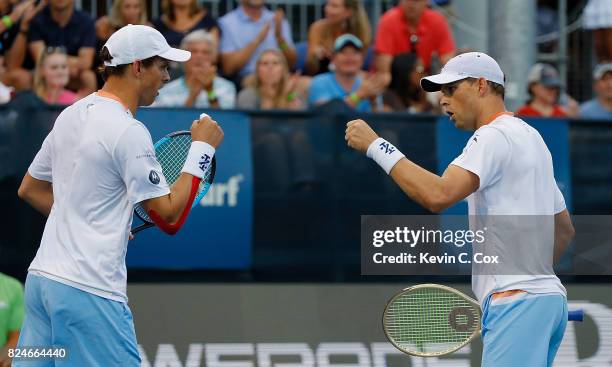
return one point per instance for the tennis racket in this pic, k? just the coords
(429, 320)
(171, 152)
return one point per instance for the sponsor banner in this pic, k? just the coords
(218, 232)
(306, 325)
(555, 132)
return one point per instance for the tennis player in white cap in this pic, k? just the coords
(506, 170)
(92, 168)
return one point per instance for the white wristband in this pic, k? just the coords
(198, 159)
(384, 153)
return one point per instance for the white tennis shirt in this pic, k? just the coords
(101, 162)
(517, 187)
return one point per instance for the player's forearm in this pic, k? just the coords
(420, 185)
(170, 207)
(37, 193)
(564, 233)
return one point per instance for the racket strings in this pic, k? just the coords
(171, 153)
(419, 321)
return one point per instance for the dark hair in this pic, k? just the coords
(496, 88)
(401, 69)
(119, 70)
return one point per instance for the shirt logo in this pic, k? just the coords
(204, 162)
(387, 147)
(154, 177)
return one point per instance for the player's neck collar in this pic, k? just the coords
(105, 94)
(498, 115)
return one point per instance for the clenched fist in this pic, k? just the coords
(207, 130)
(359, 135)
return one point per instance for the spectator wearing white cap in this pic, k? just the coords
(96, 164)
(505, 169)
(544, 88)
(600, 107)
(346, 82)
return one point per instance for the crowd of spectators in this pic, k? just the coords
(247, 58)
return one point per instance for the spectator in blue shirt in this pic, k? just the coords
(200, 87)
(346, 81)
(59, 24)
(249, 30)
(600, 107)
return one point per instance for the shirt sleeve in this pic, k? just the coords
(485, 155)
(141, 172)
(42, 166)
(384, 38)
(559, 201)
(17, 311)
(447, 44)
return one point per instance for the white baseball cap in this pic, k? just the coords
(467, 65)
(139, 42)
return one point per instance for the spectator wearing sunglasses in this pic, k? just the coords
(59, 24)
(51, 77)
(412, 27)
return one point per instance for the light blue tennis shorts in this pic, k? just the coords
(94, 331)
(523, 330)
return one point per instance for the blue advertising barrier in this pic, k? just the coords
(217, 233)
(555, 132)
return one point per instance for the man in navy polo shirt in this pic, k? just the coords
(60, 25)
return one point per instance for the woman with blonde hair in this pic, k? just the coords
(122, 13)
(181, 17)
(51, 77)
(272, 86)
(341, 16)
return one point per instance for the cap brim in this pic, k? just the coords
(433, 83)
(175, 54)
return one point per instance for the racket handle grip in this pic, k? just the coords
(575, 315)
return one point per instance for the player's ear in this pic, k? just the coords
(136, 67)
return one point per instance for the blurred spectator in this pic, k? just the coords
(5, 92)
(249, 30)
(597, 17)
(600, 107)
(405, 92)
(52, 76)
(272, 86)
(12, 312)
(412, 27)
(544, 91)
(122, 13)
(200, 87)
(341, 16)
(14, 27)
(59, 24)
(181, 17)
(346, 81)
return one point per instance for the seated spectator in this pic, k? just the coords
(51, 77)
(14, 27)
(181, 17)
(405, 92)
(59, 24)
(12, 311)
(249, 30)
(341, 16)
(597, 17)
(200, 87)
(346, 81)
(272, 87)
(544, 91)
(412, 27)
(122, 13)
(600, 107)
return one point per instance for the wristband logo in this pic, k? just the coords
(386, 147)
(204, 162)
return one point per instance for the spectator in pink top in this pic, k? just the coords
(51, 77)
